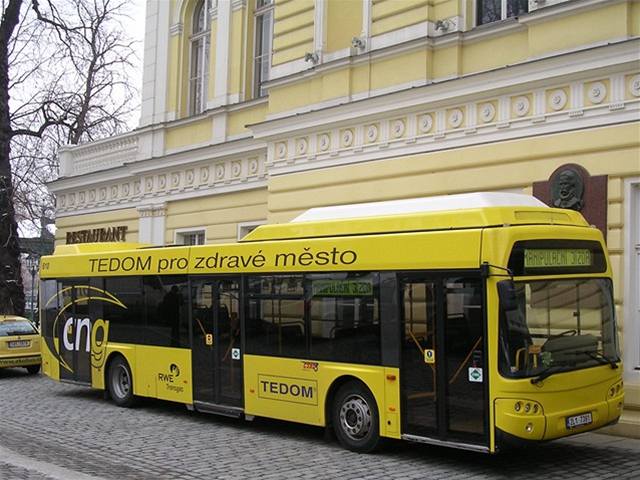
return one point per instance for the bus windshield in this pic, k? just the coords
(555, 325)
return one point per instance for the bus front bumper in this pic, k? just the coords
(529, 422)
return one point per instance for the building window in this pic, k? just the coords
(200, 48)
(191, 237)
(246, 228)
(262, 52)
(495, 10)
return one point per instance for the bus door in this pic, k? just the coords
(216, 350)
(443, 370)
(74, 331)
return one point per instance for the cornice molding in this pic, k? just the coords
(183, 181)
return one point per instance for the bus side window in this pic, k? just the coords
(274, 316)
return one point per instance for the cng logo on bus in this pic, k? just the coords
(78, 334)
(95, 336)
(286, 389)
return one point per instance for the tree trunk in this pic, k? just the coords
(11, 292)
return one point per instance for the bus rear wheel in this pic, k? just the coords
(355, 418)
(120, 383)
(33, 369)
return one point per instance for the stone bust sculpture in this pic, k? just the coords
(567, 190)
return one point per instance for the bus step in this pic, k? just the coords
(227, 411)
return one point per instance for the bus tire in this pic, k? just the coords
(120, 383)
(355, 418)
(33, 369)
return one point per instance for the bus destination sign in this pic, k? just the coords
(342, 288)
(557, 257)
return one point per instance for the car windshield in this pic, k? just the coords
(16, 327)
(557, 325)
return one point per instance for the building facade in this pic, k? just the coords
(256, 110)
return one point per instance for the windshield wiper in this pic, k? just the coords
(602, 359)
(546, 373)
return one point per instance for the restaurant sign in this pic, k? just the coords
(108, 234)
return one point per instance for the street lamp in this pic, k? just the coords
(32, 266)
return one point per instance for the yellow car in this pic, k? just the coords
(19, 343)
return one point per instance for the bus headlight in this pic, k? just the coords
(527, 407)
(615, 389)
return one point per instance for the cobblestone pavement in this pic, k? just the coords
(53, 431)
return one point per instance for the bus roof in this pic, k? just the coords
(448, 212)
(441, 203)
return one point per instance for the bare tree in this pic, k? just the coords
(67, 67)
(11, 292)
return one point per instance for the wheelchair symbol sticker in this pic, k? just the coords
(235, 353)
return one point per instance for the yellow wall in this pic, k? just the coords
(466, 57)
(220, 214)
(343, 21)
(247, 116)
(388, 15)
(126, 217)
(586, 28)
(293, 30)
(193, 133)
(237, 52)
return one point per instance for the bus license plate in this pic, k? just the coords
(20, 344)
(579, 420)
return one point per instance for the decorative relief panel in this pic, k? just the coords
(175, 180)
(398, 127)
(219, 171)
(324, 142)
(302, 145)
(520, 106)
(189, 177)
(281, 150)
(346, 138)
(425, 123)
(223, 173)
(634, 85)
(487, 112)
(556, 99)
(236, 169)
(371, 133)
(597, 92)
(455, 117)
(253, 166)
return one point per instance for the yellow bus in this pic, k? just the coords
(476, 321)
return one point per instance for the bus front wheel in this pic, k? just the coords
(120, 383)
(355, 418)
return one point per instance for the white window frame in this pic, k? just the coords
(266, 10)
(198, 37)
(503, 12)
(180, 233)
(631, 326)
(244, 228)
